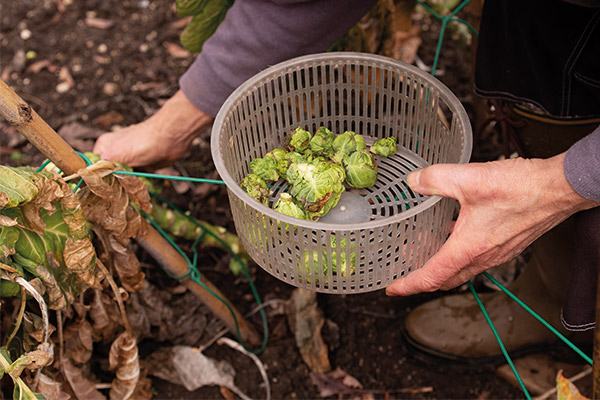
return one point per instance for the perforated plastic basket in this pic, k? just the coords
(397, 229)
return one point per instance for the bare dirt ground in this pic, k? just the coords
(112, 63)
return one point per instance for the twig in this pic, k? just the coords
(236, 346)
(59, 328)
(119, 299)
(576, 377)
(19, 317)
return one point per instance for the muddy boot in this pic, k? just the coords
(453, 327)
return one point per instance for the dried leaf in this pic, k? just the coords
(306, 321)
(79, 343)
(127, 266)
(80, 259)
(65, 76)
(124, 357)
(82, 387)
(187, 366)
(566, 390)
(56, 298)
(336, 382)
(104, 315)
(98, 23)
(105, 121)
(136, 190)
(50, 389)
(80, 136)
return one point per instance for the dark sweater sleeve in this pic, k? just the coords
(582, 166)
(258, 33)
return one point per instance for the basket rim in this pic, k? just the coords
(234, 187)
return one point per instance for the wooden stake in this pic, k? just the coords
(20, 115)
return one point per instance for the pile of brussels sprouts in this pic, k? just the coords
(317, 168)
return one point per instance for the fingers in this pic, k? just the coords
(443, 268)
(446, 180)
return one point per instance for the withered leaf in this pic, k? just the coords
(79, 258)
(123, 357)
(81, 386)
(127, 266)
(336, 383)
(79, 343)
(136, 190)
(56, 298)
(306, 321)
(50, 389)
(104, 315)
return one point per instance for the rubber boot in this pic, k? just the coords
(453, 327)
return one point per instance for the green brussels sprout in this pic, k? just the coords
(310, 186)
(322, 142)
(345, 144)
(290, 158)
(256, 187)
(265, 167)
(286, 205)
(298, 140)
(341, 267)
(279, 155)
(385, 147)
(361, 169)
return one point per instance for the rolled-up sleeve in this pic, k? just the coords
(582, 166)
(258, 33)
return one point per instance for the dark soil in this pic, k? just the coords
(121, 73)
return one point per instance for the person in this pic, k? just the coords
(505, 205)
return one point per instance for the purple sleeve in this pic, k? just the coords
(582, 166)
(258, 33)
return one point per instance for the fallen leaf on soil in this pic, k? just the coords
(99, 23)
(81, 386)
(336, 382)
(177, 51)
(79, 136)
(124, 358)
(180, 23)
(65, 76)
(105, 121)
(187, 366)
(37, 66)
(566, 389)
(306, 321)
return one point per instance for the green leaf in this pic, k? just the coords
(186, 8)
(9, 289)
(204, 24)
(16, 186)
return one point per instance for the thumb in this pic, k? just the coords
(439, 179)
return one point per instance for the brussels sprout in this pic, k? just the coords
(385, 147)
(341, 267)
(298, 140)
(322, 142)
(256, 187)
(345, 144)
(279, 155)
(361, 169)
(286, 205)
(310, 186)
(288, 159)
(265, 167)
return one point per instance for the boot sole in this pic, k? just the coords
(430, 354)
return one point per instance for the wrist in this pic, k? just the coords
(565, 193)
(179, 119)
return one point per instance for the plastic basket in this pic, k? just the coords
(373, 96)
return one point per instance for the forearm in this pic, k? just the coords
(256, 34)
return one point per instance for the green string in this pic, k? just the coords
(546, 324)
(172, 177)
(504, 352)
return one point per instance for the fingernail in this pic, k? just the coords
(413, 179)
(390, 292)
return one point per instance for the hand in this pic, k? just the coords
(505, 206)
(159, 141)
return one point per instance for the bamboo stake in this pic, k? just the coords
(20, 115)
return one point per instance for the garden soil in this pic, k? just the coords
(103, 64)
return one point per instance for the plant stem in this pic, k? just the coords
(115, 289)
(19, 317)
